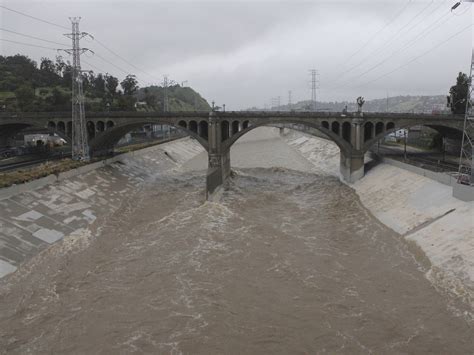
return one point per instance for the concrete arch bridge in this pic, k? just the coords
(353, 133)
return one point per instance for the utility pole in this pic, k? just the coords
(80, 145)
(165, 94)
(289, 100)
(405, 144)
(314, 86)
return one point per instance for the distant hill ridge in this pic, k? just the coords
(408, 103)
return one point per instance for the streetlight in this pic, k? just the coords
(456, 5)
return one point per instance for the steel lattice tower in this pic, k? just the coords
(466, 162)
(314, 86)
(80, 146)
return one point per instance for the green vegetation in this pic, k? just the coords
(179, 98)
(26, 87)
(56, 167)
(37, 172)
(458, 94)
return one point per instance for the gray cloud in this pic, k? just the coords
(242, 53)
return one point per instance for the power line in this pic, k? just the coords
(67, 28)
(93, 66)
(35, 18)
(33, 37)
(393, 37)
(55, 49)
(27, 44)
(380, 30)
(126, 72)
(408, 44)
(441, 4)
(430, 28)
(419, 56)
(124, 60)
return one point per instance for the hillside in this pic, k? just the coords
(426, 104)
(27, 86)
(180, 98)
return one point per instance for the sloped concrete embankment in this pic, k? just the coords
(37, 214)
(417, 207)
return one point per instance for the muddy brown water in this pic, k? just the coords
(288, 262)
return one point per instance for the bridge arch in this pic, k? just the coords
(61, 127)
(11, 129)
(343, 144)
(105, 141)
(110, 124)
(235, 127)
(346, 131)
(203, 129)
(224, 130)
(100, 126)
(193, 126)
(391, 127)
(368, 131)
(90, 126)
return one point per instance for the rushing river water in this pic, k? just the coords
(288, 262)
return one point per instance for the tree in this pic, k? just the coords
(47, 65)
(60, 65)
(150, 99)
(58, 100)
(99, 85)
(458, 94)
(48, 73)
(126, 103)
(129, 85)
(25, 96)
(111, 84)
(67, 76)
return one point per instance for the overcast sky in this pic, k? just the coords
(243, 53)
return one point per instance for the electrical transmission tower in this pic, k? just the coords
(466, 162)
(80, 146)
(314, 86)
(289, 100)
(275, 105)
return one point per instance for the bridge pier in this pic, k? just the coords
(352, 166)
(219, 158)
(217, 172)
(352, 163)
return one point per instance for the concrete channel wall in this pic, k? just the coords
(37, 214)
(417, 204)
(13, 190)
(443, 178)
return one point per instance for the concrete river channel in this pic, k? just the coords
(287, 261)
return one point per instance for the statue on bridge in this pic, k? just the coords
(360, 103)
